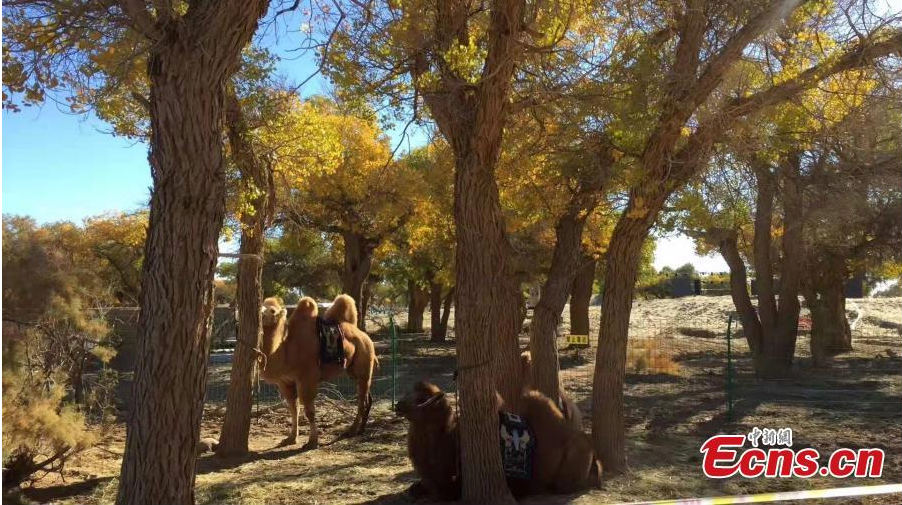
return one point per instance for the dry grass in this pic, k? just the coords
(651, 356)
(667, 418)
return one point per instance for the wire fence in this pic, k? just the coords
(865, 382)
(404, 358)
(693, 373)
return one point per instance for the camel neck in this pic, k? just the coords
(273, 336)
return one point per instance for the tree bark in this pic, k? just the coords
(187, 70)
(435, 311)
(830, 331)
(417, 300)
(739, 291)
(781, 351)
(358, 260)
(472, 118)
(256, 179)
(446, 313)
(772, 330)
(581, 297)
(546, 316)
(565, 263)
(621, 268)
(439, 311)
(486, 322)
(762, 246)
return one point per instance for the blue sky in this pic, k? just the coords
(59, 166)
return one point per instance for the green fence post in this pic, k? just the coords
(729, 383)
(394, 359)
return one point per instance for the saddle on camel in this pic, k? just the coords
(541, 451)
(305, 349)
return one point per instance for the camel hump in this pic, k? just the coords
(343, 309)
(306, 308)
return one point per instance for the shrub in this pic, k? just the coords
(697, 332)
(650, 356)
(50, 383)
(40, 431)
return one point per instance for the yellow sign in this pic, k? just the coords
(578, 340)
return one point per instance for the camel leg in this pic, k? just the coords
(308, 397)
(364, 403)
(290, 393)
(574, 472)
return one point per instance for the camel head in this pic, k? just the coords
(272, 311)
(425, 402)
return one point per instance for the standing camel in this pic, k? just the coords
(292, 349)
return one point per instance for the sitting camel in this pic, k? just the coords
(563, 461)
(292, 349)
(433, 443)
(567, 406)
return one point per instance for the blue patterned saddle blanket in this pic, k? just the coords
(518, 446)
(331, 342)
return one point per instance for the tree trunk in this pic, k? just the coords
(417, 299)
(358, 260)
(739, 291)
(187, 73)
(256, 179)
(435, 311)
(546, 316)
(621, 268)
(581, 297)
(439, 309)
(778, 322)
(446, 313)
(830, 331)
(780, 343)
(365, 303)
(486, 320)
(764, 277)
(565, 264)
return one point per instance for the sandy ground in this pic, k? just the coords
(857, 403)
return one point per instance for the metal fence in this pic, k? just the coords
(667, 364)
(866, 381)
(692, 372)
(404, 358)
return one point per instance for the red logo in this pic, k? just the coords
(726, 456)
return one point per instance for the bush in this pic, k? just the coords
(40, 431)
(52, 380)
(650, 356)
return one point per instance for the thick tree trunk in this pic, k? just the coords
(581, 297)
(486, 321)
(256, 179)
(779, 343)
(417, 299)
(620, 271)
(778, 322)
(739, 291)
(762, 243)
(546, 316)
(187, 73)
(358, 260)
(830, 331)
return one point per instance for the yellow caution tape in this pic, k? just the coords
(840, 492)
